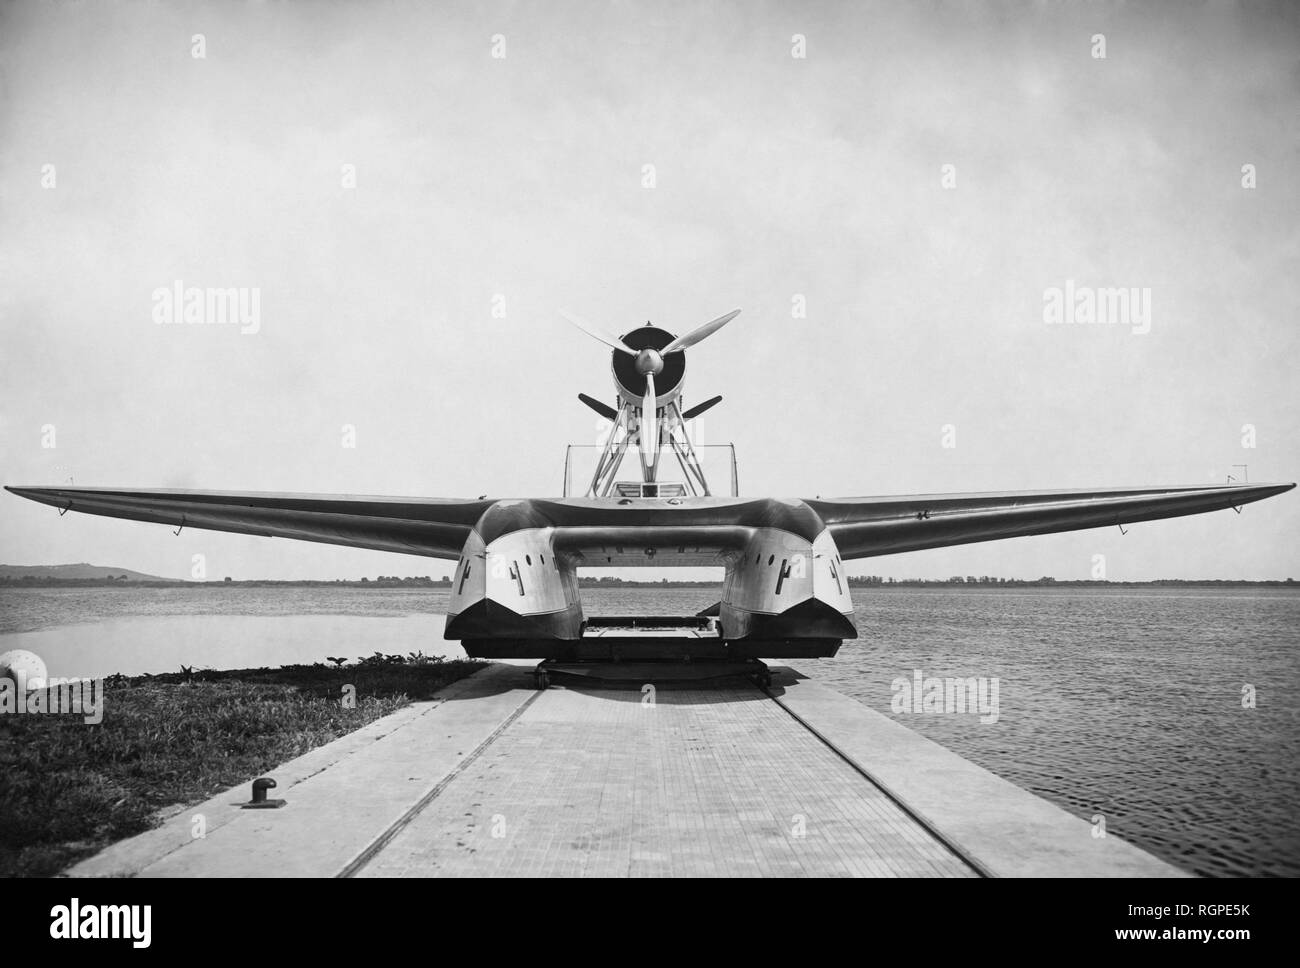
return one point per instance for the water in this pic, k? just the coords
(28, 609)
(1123, 703)
(1113, 702)
(99, 631)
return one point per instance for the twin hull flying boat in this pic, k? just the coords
(515, 589)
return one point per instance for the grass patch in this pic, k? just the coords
(67, 789)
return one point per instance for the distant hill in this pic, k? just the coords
(78, 571)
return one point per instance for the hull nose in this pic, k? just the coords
(810, 619)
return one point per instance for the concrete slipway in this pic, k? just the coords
(494, 777)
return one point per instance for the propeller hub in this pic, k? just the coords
(649, 361)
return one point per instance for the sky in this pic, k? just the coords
(415, 191)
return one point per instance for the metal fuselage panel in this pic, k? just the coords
(517, 585)
(784, 586)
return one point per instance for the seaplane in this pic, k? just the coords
(515, 591)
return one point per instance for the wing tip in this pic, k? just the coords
(42, 495)
(1257, 492)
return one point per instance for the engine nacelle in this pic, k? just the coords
(631, 383)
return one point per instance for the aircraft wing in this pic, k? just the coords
(864, 527)
(433, 527)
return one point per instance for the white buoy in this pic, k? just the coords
(30, 665)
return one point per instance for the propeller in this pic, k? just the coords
(648, 363)
(591, 329)
(695, 335)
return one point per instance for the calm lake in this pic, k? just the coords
(1124, 703)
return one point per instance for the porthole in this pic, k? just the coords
(529, 560)
(771, 558)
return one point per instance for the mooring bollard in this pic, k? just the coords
(259, 801)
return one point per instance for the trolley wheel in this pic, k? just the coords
(541, 679)
(764, 680)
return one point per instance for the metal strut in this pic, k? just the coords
(628, 425)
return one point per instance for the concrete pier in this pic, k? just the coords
(496, 778)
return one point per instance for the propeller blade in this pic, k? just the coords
(695, 335)
(604, 409)
(649, 432)
(699, 408)
(595, 331)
